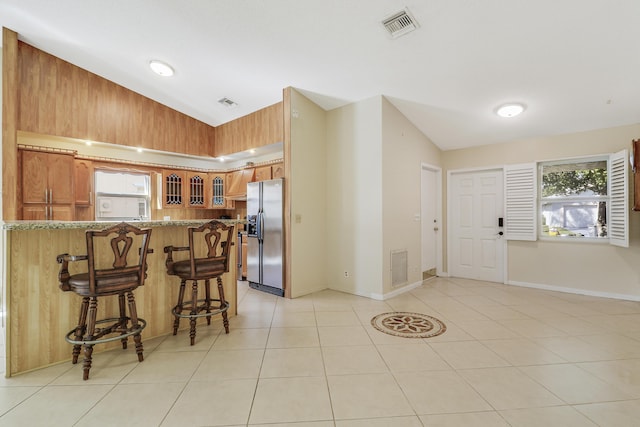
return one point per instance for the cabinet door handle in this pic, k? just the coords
(51, 195)
(90, 198)
(46, 195)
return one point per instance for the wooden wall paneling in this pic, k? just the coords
(148, 122)
(174, 144)
(78, 101)
(123, 117)
(95, 108)
(184, 135)
(65, 102)
(109, 110)
(10, 119)
(29, 83)
(59, 98)
(47, 95)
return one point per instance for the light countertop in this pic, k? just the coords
(70, 225)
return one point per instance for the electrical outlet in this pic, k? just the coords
(346, 274)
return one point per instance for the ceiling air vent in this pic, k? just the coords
(400, 23)
(226, 102)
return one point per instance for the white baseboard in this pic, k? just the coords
(575, 291)
(396, 292)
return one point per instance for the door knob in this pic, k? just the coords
(500, 233)
(435, 229)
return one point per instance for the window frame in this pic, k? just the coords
(541, 200)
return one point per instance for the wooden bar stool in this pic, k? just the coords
(113, 269)
(209, 249)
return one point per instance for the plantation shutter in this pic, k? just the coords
(617, 224)
(520, 202)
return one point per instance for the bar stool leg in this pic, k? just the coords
(178, 307)
(207, 301)
(225, 320)
(194, 311)
(80, 329)
(91, 327)
(123, 318)
(137, 338)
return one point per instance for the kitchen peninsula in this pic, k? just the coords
(39, 314)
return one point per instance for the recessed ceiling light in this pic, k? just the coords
(139, 150)
(221, 159)
(161, 68)
(510, 110)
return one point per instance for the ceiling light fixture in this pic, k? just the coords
(161, 68)
(510, 110)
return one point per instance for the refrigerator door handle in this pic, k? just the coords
(259, 225)
(261, 233)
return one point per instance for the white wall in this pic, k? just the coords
(354, 198)
(404, 150)
(374, 166)
(582, 267)
(308, 189)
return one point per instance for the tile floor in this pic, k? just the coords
(510, 357)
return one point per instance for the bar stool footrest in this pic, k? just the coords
(201, 307)
(121, 334)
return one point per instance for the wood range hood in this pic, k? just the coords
(237, 184)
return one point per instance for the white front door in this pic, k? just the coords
(430, 206)
(476, 204)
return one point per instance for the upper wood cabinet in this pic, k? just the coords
(277, 170)
(216, 192)
(262, 127)
(196, 195)
(47, 185)
(263, 173)
(83, 182)
(237, 183)
(173, 188)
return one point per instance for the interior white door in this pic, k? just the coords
(429, 215)
(476, 204)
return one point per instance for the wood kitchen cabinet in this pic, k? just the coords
(196, 182)
(174, 183)
(47, 186)
(263, 173)
(277, 170)
(83, 182)
(216, 191)
(84, 190)
(237, 182)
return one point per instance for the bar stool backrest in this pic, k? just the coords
(217, 237)
(109, 254)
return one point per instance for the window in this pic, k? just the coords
(576, 199)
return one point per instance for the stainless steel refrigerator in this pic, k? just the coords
(264, 236)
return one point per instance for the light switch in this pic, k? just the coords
(416, 217)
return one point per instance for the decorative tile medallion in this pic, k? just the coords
(408, 325)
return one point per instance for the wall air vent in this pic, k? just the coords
(400, 23)
(226, 102)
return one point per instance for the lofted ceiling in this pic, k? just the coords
(575, 64)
